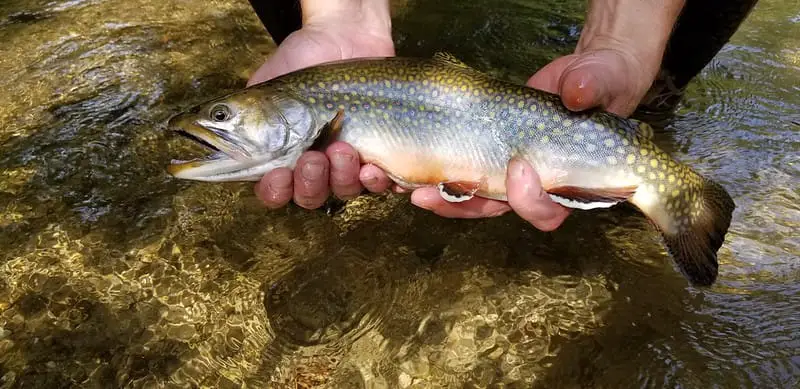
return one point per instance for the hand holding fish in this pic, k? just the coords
(607, 69)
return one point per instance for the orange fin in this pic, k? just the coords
(458, 191)
(329, 132)
(590, 198)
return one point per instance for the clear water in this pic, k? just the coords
(112, 274)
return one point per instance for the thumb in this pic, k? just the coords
(599, 79)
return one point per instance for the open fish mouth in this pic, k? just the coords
(223, 148)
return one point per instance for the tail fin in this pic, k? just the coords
(694, 243)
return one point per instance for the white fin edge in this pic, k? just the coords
(579, 205)
(450, 198)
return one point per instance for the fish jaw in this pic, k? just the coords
(220, 168)
(230, 160)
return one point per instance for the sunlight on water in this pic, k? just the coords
(112, 274)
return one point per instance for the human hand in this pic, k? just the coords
(614, 64)
(332, 30)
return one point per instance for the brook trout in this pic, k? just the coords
(438, 122)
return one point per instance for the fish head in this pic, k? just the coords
(250, 133)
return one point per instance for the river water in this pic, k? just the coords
(113, 274)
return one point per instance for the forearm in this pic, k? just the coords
(373, 16)
(641, 26)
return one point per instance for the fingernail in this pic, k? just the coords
(369, 179)
(341, 161)
(312, 170)
(517, 168)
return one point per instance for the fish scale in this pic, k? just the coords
(438, 122)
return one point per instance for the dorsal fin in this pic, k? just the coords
(450, 59)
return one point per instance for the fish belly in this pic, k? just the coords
(432, 151)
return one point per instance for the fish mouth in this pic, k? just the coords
(227, 155)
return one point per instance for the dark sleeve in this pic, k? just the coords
(702, 29)
(279, 17)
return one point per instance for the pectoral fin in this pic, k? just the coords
(329, 132)
(590, 198)
(458, 191)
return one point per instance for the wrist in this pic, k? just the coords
(636, 28)
(366, 16)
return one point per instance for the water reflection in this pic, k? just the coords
(112, 274)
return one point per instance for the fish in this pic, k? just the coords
(438, 122)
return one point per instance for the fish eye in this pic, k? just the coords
(220, 113)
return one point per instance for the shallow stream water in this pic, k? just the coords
(113, 274)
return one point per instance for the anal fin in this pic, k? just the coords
(458, 191)
(590, 198)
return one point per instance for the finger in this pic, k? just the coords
(600, 79)
(476, 207)
(548, 78)
(345, 168)
(374, 179)
(311, 180)
(275, 188)
(529, 200)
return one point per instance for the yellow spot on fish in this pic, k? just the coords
(675, 192)
(463, 88)
(312, 100)
(652, 176)
(643, 151)
(625, 142)
(654, 163)
(599, 126)
(335, 86)
(578, 137)
(611, 160)
(412, 90)
(661, 188)
(660, 175)
(620, 150)
(641, 169)
(540, 126)
(631, 158)
(533, 107)
(321, 84)
(567, 123)
(545, 139)
(609, 142)
(476, 92)
(671, 178)
(521, 104)
(545, 112)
